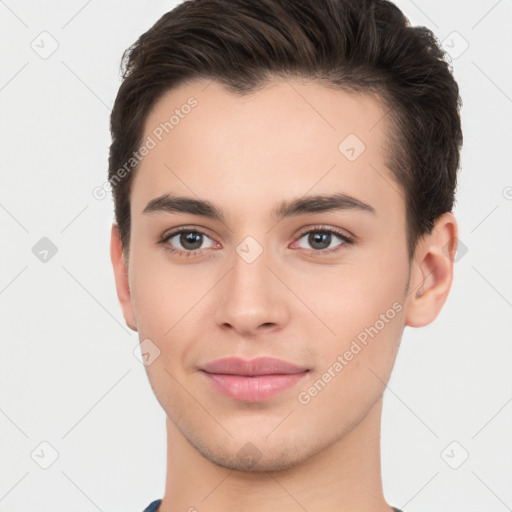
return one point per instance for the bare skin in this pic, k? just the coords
(315, 451)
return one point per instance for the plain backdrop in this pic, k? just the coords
(75, 398)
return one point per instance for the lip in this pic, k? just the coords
(253, 367)
(254, 380)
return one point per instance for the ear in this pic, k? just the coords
(121, 278)
(432, 272)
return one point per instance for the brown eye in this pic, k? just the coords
(319, 240)
(186, 242)
(190, 240)
(324, 240)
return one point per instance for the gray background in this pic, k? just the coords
(69, 376)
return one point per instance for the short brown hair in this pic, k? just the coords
(366, 46)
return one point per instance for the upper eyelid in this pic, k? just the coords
(181, 229)
(336, 231)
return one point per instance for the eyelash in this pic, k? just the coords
(315, 229)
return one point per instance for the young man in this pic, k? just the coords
(283, 174)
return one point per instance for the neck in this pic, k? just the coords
(344, 477)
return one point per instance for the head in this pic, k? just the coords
(232, 118)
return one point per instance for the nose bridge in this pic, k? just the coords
(250, 263)
(252, 296)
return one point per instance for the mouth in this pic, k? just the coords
(252, 381)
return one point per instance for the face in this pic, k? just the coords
(320, 284)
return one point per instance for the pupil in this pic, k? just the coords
(188, 238)
(320, 238)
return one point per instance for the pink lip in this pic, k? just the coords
(252, 381)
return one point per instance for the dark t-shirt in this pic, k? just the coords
(153, 507)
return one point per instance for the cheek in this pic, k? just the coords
(352, 298)
(169, 305)
(161, 292)
(152, 304)
(353, 365)
(363, 307)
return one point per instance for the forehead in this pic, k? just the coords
(285, 140)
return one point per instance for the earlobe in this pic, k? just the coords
(121, 278)
(432, 272)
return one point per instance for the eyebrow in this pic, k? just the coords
(168, 203)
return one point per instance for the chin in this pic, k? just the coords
(251, 460)
(257, 453)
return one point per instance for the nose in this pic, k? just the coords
(252, 299)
